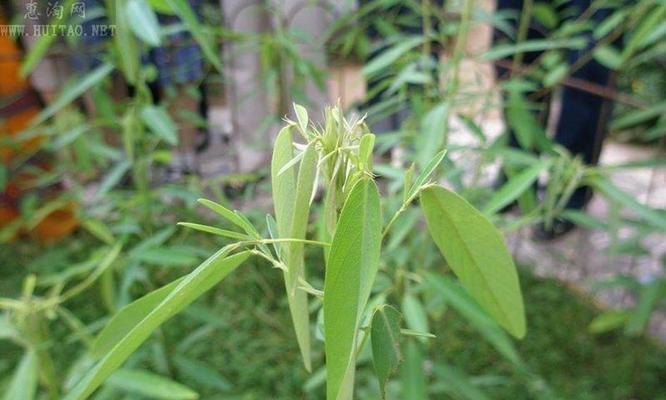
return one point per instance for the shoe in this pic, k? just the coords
(558, 228)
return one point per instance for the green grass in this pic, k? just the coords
(575, 364)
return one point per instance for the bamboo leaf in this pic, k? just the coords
(459, 383)
(391, 55)
(649, 296)
(506, 50)
(75, 89)
(412, 376)
(225, 213)
(650, 215)
(366, 145)
(475, 251)
(39, 49)
(202, 373)
(215, 231)
(128, 317)
(204, 277)
(302, 117)
(184, 11)
(511, 190)
(636, 117)
(143, 21)
(608, 56)
(112, 178)
(283, 184)
(350, 272)
(291, 197)
(433, 126)
(385, 340)
(643, 29)
(529, 133)
(150, 385)
(607, 321)
(427, 171)
(271, 224)
(415, 314)
(459, 300)
(298, 300)
(161, 6)
(127, 52)
(23, 385)
(160, 123)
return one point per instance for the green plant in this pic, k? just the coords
(340, 155)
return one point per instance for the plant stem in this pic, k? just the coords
(458, 52)
(523, 27)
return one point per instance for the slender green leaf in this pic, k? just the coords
(415, 314)
(511, 190)
(302, 117)
(458, 299)
(529, 132)
(391, 55)
(23, 385)
(271, 224)
(608, 56)
(168, 256)
(38, 50)
(426, 172)
(184, 11)
(298, 301)
(475, 251)
(433, 126)
(287, 193)
(459, 383)
(127, 51)
(75, 89)
(98, 229)
(160, 123)
(143, 21)
(385, 338)
(506, 50)
(366, 145)
(608, 321)
(128, 317)
(215, 231)
(225, 213)
(283, 184)
(650, 215)
(112, 178)
(412, 377)
(610, 23)
(150, 385)
(555, 75)
(202, 373)
(161, 6)
(636, 117)
(637, 38)
(209, 273)
(350, 272)
(649, 296)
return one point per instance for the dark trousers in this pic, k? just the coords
(583, 119)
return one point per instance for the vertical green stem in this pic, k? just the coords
(458, 53)
(523, 26)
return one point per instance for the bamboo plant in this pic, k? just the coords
(338, 157)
